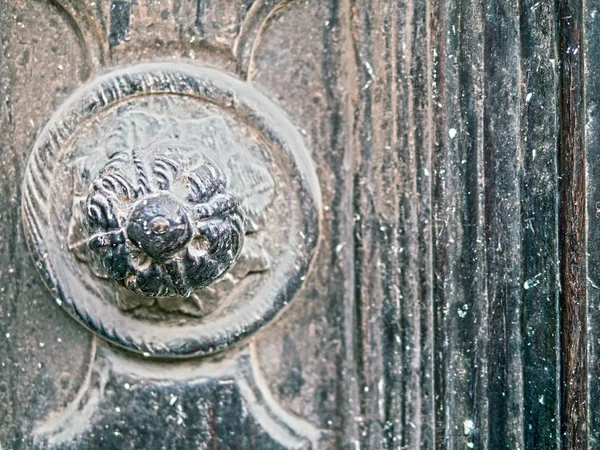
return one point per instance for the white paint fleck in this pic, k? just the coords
(532, 282)
(371, 75)
(452, 133)
(529, 97)
(469, 426)
(541, 400)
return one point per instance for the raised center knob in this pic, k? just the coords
(159, 226)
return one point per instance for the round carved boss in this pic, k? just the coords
(171, 209)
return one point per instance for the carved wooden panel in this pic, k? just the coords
(171, 205)
(312, 224)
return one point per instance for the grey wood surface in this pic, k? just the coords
(454, 301)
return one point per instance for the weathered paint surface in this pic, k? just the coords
(455, 298)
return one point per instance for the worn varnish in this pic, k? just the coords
(454, 299)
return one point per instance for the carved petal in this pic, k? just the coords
(77, 240)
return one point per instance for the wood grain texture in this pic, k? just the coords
(539, 209)
(573, 239)
(392, 225)
(502, 152)
(590, 62)
(302, 62)
(462, 305)
(455, 299)
(457, 129)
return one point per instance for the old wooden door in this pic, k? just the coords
(325, 224)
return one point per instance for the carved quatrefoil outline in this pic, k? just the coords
(233, 96)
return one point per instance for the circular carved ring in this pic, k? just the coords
(171, 209)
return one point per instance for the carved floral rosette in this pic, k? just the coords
(171, 209)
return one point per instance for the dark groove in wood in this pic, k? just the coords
(120, 17)
(573, 247)
(502, 169)
(342, 312)
(460, 291)
(438, 94)
(539, 217)
(360, 201)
